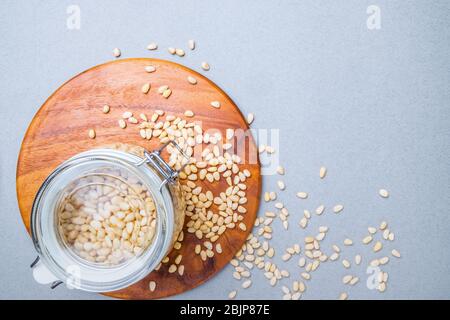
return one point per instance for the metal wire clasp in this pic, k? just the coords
(154, 158)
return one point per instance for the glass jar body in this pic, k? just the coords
(85, 275)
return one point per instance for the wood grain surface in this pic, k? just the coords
(59, 130)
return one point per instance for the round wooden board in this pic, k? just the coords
(59, 130)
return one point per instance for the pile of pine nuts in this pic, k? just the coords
(208, 225)
(209, 215)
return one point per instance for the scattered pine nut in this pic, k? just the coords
(163, 88)
(181, 270)
(166, 94)
(215, 104)
(116, 52)
(343, 296)
(383, 193)
(172, 268)
(286, 257)
(192, 80)
(302, 262)
(348, 242)
(346, 279)
(145, 88)
(91, 133)
(378, 246)
(179, 52)
(383, 260)
(306, 214)
(189, 113)
(296, 296)
(178, 259)
(191, 44)
(232, 294)
(250, 118)
(354, 281)
(367, 239)
(127, 114)
(171, 50)
(105, 109)
(305, 275)
(302, 195)
(334, 256)
(246, 284)
(338, 208)
(132, 120)
(322, 172)
(280, 169)
(122, 123)
(358, 259)
(374, 263)
(152, 46)
(150, 69)
(281, 185)
(320, 209)
(395, 253)
(205, 66)
(152, 286)
(303, 223)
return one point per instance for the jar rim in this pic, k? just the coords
(90, 277)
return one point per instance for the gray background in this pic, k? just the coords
(371, 105)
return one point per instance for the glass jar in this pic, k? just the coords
(59, 261)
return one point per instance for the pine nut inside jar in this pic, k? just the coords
(107, 216)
